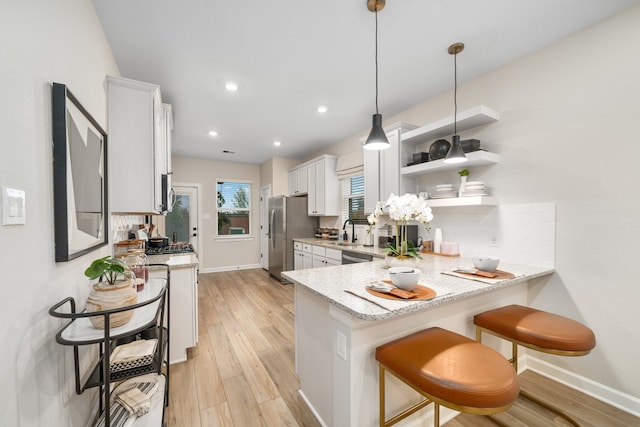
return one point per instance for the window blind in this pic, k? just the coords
(353, 199)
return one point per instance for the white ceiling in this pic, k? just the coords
(290, 56)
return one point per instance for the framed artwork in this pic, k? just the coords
(79, 178)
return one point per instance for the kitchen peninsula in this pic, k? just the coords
(337, 332)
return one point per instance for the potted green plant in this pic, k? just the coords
(114, 289)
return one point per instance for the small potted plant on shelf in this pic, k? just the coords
(403, 209)
(114, 289)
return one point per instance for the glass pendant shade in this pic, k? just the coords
(455, 154)
(377, 139)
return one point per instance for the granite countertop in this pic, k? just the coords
(332, 282)
(343, 246)
(188, 259)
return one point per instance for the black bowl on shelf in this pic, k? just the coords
(469, 145)
(439, 149)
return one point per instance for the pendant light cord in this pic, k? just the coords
(376, 13)
(455, 94)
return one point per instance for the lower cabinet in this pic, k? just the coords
(301, 258)
(306, 255)
(183, 306)
(323, 257)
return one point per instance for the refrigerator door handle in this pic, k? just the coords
(272, 225)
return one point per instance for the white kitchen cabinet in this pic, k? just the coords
(298, 180)
(302, 256)
(323, 257)
(183, 304)
(323, 187)
(139, 157)
(382, 169)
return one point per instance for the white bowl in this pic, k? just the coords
(486, 263)
(404, 277)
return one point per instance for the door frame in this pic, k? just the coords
(264, 213)
(198, 188)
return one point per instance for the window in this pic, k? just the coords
(353, 199)
(234, 208)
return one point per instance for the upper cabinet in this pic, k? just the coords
(139, 147)
(382, 169)
(319, 180)
(298, 180)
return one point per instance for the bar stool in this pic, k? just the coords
(447, 369)
(537, 330)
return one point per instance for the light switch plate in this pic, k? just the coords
(13, 206)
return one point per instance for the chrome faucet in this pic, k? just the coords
(353, 230)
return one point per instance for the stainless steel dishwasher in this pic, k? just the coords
(349, 257)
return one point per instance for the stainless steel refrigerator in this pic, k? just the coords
(288, 218)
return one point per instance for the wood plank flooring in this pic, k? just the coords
(242, 374)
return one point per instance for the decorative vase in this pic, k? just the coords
(463, 183)
(104, 296)
(406, 261)
(368, 239)
(437, 240)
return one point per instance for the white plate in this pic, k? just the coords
(475, 183)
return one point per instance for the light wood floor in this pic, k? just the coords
(241, 373)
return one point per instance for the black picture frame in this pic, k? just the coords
(79, 178)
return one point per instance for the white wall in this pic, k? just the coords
(221, 254)
(41, 42)
(568, 134)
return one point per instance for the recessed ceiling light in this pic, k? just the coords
(213, 133)
(322, 109)
(276, 143)
(231, 86)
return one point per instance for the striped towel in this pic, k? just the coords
(131, 401)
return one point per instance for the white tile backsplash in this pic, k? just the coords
(525, 232)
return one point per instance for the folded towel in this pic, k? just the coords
(133, 351)
(137, 400)
(118, 416)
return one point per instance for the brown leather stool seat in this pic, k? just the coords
(448, 369)
(538, 330)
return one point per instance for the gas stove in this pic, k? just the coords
(174, 248)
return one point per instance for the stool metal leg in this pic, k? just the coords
(524, 394)
(381, 378)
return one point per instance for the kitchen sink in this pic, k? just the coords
(343, 244)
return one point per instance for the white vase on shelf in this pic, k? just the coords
(463, 183)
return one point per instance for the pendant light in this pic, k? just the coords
(377, 139)
(455, 154)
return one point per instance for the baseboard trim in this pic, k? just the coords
(613, 397)
(312, 409)
(229, 268)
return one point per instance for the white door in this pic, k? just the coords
(183, 219)
(265, 194)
